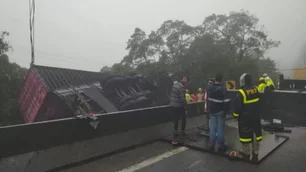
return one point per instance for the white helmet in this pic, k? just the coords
(242, 80)
(265, 75)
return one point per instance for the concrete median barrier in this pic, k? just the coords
(49, 145)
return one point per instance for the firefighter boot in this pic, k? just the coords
(245, 151)
(255, 157)
(255, 150)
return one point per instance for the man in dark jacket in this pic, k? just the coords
(178, 104)
(216, 111)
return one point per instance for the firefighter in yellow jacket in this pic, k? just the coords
(262, 85)
(269, 82)
(187, 96)
(246, 109)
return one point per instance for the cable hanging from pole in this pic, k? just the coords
(31, 22)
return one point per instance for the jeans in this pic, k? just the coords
(179, 114)
(217, 123)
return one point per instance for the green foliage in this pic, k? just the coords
(230, 44)
(11, 77)
(240, 29)
(4, 45)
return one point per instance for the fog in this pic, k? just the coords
(90, 34)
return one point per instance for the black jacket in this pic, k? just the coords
(216, 101)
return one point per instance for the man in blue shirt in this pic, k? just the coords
(216, 110)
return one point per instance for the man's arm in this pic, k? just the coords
(224, 92)
(182, 96)
(210, 85)
(238, 105)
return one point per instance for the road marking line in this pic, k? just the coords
(153, 160)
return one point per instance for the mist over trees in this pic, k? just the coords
(301, 62)
(232, 44)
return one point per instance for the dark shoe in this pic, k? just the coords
(222, 148)
(176, 133)
(245, 156)
(211, 147)
(183, 133)
(254, 157)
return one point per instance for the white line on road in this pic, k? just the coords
(153, 160)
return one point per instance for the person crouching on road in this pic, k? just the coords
(246, 109)
(216, 110)
(178, 104)
(262, 85)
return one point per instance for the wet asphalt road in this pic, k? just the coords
(291, 156)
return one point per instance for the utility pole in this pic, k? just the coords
(31, 22)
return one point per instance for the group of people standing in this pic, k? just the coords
(265, 84)
(246, 111)
(199, 97)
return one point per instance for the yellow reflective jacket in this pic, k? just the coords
(188, 98)
(270, 82)
(261, 87)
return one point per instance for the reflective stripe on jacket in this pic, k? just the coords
(216, 94)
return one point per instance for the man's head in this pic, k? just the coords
(219, 77)
(187, 91)
(262, 80)
(246, 80)
(265, 75)
(183, 79)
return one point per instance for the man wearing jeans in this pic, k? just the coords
(216, 110)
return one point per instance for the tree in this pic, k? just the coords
(106, 69)
(177, 36)
(11, 77)
(232, 44)
(240, 29)
(138, 46)
(4, 45)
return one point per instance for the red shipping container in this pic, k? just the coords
(32, 95)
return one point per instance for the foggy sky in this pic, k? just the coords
(88, 34)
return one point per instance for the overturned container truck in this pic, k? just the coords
(53, 93)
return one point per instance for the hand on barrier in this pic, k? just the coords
(186, 112)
